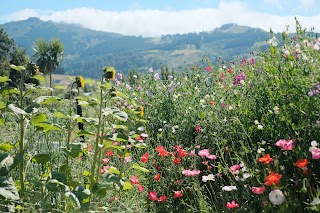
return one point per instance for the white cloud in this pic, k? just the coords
(307, 3)
(148, 22)
(276, 3)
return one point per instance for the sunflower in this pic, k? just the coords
(109, 73)
(79, 81)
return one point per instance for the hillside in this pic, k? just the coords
(87, 51)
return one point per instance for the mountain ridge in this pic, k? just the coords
(87, 51)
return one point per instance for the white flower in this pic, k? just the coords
(260, 150)
(256, 122)
(276, 110)
(273, 41)
(208, 177)
(229, 188)
(316, 201)
(134, 76)
(276, 197)
(314, 143)
(230, 108)
(259, 127)
(160, 130)
(141, 128)
(242, 82)
(245, 176)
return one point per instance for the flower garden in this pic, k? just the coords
(241, 136)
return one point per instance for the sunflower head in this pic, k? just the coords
(109, 73)
(79, 81)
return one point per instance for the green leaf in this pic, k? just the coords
(120, 127)
(114, 170)
(86, 173)
(4, 79)
(2, 105)
(38, 118)
(47, 99)
(127, 185)
(120, 115)
(9, 91)
(6, 147)
(39, 78)
(2, 121)
(74, 198)
(119, 94)
(8, 190)
(54, 185)
(83, 195)
(18, 68)
(74, 150)
(17, 110)
(136, 166)
(41, 158)
(6, 162)
(111, 178)
(59, 115)
(59, 176)
(45, 127)
(140, 145)
(83, 132)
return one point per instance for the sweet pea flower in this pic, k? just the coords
(258, 190)
(211, 157)
(285, 144)
(204, 153)
(315, 153)
(208, 177)
(177, 194)
(229, 188)
(235, 169)
(152, 196)
(232, 205)
(162, 198)
(190, 172)
(134, 180)
(140, 188)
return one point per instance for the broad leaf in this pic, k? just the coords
(4, 79)
(39, 78)
(127, 185)
(6, 162)
(2, 105)
(18, 68)
(74, 198)
(47, 99)
(59, 115)
(83, 132)
(136, 166)
(41, 158)
(6, 147)
(114, 170)
(120, 115)
(60, 87)
(46, 127)
(8, 190)
(38, 118)
(74, 150)
(17, 110)
(9, 91)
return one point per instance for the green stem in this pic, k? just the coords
(96, 145)
(21, 144)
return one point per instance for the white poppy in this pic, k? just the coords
(208, 177)
(276, 197)
(229, 188)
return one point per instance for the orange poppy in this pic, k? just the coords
(302, 163)
(266, 159)
(273, 178)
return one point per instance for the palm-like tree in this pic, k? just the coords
(48, 56)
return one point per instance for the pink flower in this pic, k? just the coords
(211, 157)
(127, 159)
(198, 129)
(235, 169)
(285, 145)
(192, 152)
(315, 153)
(204, 153)
(134, 180)
(152, 196)
(162, 198)
(140, 188)
(232, 205)
(105, 160)
(190, 172)
(258, 190)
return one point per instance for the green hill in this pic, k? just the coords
(87, 51)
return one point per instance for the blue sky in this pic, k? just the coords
(157, 17)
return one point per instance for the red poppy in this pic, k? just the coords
(140, 188)
(162, 198)
(182, 153)
(157, 177)
(198, 129)
(302, 163)
(177, 194)
(176, 161)
(273, 178)
(109, 153)
(144, 158)
(162, 151)
(266, 159)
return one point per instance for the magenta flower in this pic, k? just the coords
(105, 160)
(232, 205)
(204, 153)
(211, 157)
(285, 144)
(315, 153)
(258, 190)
